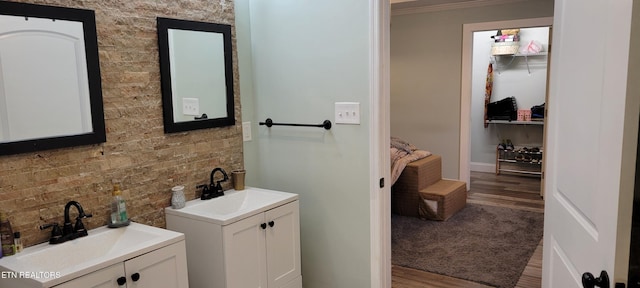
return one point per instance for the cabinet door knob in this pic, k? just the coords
(135, 277)
(263, 226)
(121, 281)
(271, 223)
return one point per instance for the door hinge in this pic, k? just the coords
(381, 182)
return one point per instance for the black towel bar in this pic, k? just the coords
(326, 124)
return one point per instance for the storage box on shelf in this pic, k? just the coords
(504, 48)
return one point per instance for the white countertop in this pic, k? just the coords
(233, 206)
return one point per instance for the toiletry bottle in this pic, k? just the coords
(118, 207)
(17, 242)
(6, 235)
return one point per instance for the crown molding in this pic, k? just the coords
(400, 1)
(450, 6)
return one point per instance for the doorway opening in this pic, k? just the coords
(530, 201)
(509, 65)
(486, 157)
(506, 146)
(507, 133)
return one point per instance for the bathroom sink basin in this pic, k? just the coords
(80, 250)
(233, 206)
(101, 248)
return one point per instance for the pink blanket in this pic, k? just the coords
(403, 153)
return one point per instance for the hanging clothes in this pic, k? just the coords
(488, 89)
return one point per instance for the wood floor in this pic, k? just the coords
(512, 191)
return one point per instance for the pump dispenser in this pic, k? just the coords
(17, 241)
(6, 235)
(119, 216)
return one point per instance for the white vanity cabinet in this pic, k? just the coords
(164, 267)
(263, 250)
(137, 255)
(259, 248)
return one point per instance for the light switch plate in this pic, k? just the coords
(347, 112)
(246, 131)
(190, 106)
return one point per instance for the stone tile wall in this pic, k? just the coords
(34, 187)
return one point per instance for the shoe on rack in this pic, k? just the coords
(502, 145)
(509, 145)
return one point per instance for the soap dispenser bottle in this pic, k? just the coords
(119, 216)
(6, 235)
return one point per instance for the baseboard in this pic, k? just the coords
(482, 167)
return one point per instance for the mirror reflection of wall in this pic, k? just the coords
(50, 84)
(197, 74)
(43, 79)
(196, 71)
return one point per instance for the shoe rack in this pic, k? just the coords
(514, 159)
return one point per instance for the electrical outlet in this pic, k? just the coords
(246, 131)
(191, 106)
(347, 113)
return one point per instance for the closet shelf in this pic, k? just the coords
(529, 54)
(513, 56)
(516, 122)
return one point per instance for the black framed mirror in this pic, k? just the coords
(50, 86)
(196, 71)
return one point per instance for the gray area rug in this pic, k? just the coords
(484, 244)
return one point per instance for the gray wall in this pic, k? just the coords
(426, 71)
(296, 59)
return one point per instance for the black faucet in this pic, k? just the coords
(211, 190)
(69, 231)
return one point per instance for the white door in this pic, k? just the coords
(283, 244)
(244, 256)
(585, 175)
(108, 277)
(165, 267)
